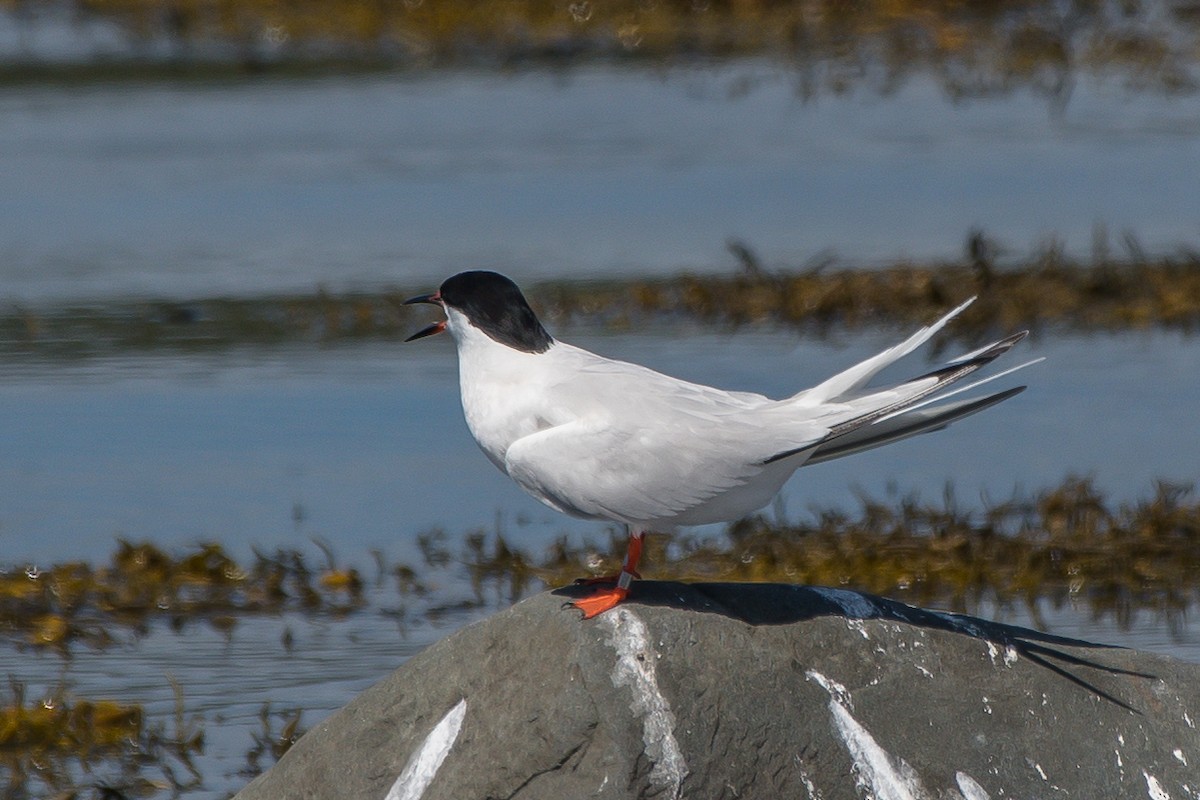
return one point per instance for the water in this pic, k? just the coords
(226, 677)
(365, 445)
(278, 185)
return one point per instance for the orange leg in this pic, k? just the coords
(604, 598)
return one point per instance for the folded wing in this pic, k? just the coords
(596, 470)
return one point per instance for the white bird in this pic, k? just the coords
(603, 439)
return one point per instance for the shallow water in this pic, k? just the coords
(365, 445)
(227, 676)
(270, 186)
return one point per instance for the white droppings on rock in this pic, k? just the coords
(635, 668)
(876, 772)
(969, 787)
(858, 626)
(1010, 655)
(809, 787)
(1153, 788)
(427, 760)
(835, 689)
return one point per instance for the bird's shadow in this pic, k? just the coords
(784, 604)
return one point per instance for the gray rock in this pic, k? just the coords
(756, 691)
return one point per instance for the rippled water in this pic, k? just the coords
(365, 445)
(277, 185)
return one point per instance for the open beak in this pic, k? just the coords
(437, 327)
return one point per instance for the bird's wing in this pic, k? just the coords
(595, 468)
(857, 376)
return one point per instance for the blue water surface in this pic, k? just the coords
(276, 185)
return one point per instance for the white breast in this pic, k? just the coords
(503, 390)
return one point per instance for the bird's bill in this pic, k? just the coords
(436, 327)
(433, 299)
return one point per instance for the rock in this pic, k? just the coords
(755, 691)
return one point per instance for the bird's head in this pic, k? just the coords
(489, 302)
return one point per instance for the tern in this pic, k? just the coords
(603, 439)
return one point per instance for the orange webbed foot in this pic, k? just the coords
(599, 601)
(603, 598)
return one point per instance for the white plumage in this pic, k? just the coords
(605, 439)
